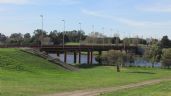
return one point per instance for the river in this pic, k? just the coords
(70, 60)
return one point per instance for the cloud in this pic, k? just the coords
(138, 27)
(60, 2)
(157, 7)
(69, 2)
(14, 1)
(6, 10)
(128, 22)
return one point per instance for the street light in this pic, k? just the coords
(63, 33)
(80, 31)
(80, 44)
(110, 42)
(103, 35)
(93, 36)
(42, 17)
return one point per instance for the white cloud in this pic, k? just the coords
(128, 22)
(146, 28)
(157, 7)
(69, 2)
(14, 1)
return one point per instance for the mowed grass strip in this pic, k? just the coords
(162, 89)
(22, 74)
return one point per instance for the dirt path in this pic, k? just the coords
(96, 92)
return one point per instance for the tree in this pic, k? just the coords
(27, 36)
(165, 42)
(166, 58)
(55, 37)
(3, 38)
(114, 57)
(38, 36)
(153, 54)
(16, 38)
(116, 39)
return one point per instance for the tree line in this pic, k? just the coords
(56, 38)
(53, 38)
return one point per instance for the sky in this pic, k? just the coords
(128, 18)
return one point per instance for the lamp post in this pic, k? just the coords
(79, 61)
(42, 17)
(93, 42)
(103, 35)
(63, 33)
(80, 31)
(111, 37)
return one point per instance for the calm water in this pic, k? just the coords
(144, 63)
(70, 60)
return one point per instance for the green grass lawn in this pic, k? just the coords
(72, 43)
(22, 74)
(162, 89)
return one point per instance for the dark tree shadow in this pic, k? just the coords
(87, 66)
(138, 72)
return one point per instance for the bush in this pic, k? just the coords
(166, 58)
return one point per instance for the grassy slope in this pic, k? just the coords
(162, 89)
(35, 76)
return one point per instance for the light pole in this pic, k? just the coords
(93, 36)
(80, 31)
(110, 40)
(103, 35)
(42, 17)
(80, 43)
(63, 33)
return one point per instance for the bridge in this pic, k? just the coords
(77, 49)
(89, 49)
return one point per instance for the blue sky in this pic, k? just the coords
(147, 18)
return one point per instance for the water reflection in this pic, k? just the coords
(143, 63)
(70, 58)
(137, 63)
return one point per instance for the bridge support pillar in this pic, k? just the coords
(126, 51)
(88, 57)
(79, 53)
(91, 57)
(65, 56)
(100, 61)
(75, 57)
(58, 54)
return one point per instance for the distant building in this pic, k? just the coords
(47, 41)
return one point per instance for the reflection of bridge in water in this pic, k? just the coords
(77, 49)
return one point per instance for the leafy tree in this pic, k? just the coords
(27, 36)
(38, 36)
(3, 38)
(166, 58)
(115, 57)
(116, 39)
(165, 42)
(16, 38)
(56, 37)
(153, 54)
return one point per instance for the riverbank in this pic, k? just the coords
(28, 75)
